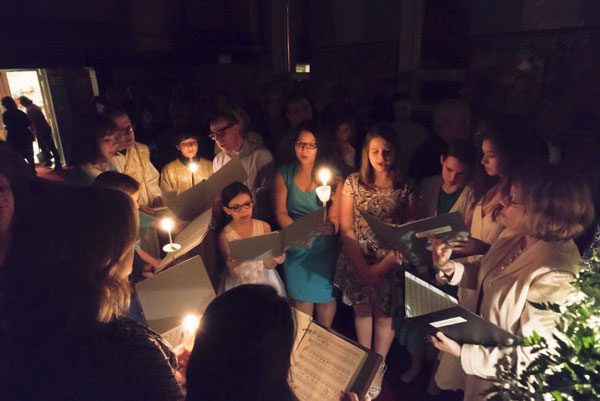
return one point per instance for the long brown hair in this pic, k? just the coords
(366, 174)
(70, 281)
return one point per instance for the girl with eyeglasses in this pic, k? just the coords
(237, 203)
(308, 269)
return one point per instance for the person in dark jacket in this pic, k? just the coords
(18, 135)
(42, 131)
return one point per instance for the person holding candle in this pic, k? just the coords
(188, 169)
(62, 325)
(533, 261)
(237, 203)
(368, 273)
(309, 270)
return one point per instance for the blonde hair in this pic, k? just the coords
(73, 279)
(557, 206)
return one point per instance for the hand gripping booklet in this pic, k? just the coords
(169, 296)
(325, 362)
(433, 310)
(411, 238)
(198, 198)
(276, 243)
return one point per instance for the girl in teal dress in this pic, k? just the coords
(308, 269)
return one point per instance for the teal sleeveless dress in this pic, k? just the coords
(308, 270)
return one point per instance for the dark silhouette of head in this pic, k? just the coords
(243, 347)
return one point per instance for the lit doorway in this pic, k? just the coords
(34, 85)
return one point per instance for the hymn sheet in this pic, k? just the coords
(323, 365)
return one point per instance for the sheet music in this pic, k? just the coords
(422, 298)
(323, 365)
(196, 200)
(302, 321)
(189, 238)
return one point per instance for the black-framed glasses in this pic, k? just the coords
(237, 208)
(308, 145)
(220, 133)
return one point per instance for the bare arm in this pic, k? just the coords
(334, 209)
(279, 202)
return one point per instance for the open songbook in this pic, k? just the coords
(276, 243)
(324, 363)
(169, 296)
(189, 238)
(433, 310)
(411, 238)
(197, 199)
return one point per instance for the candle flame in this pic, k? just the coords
(324, 175)
(190, 323)
(167, 224)
(193, 167)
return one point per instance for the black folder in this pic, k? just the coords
(411, 238)
(433, 310)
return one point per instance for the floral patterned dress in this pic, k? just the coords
(395, 205)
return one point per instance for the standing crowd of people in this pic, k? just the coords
(67, 251)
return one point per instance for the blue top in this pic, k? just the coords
(308, 270)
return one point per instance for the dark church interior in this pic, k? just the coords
(415, 109)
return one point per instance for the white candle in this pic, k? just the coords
(324, 191)
(189, 325)
(167, 224)
(193, 168)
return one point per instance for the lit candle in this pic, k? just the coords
(167, 224)
(189, 325)
(193, 168)
(324, 191)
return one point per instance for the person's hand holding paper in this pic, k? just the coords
(441, 251)
(373, 274)
(277, 261)
(445, 344)
(469, 246)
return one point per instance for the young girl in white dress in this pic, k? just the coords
(237, 202)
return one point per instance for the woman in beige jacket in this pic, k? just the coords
(534, 260)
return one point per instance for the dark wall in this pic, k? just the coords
(511, 16)
(56, 33)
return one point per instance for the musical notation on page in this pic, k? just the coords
(323, 365)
